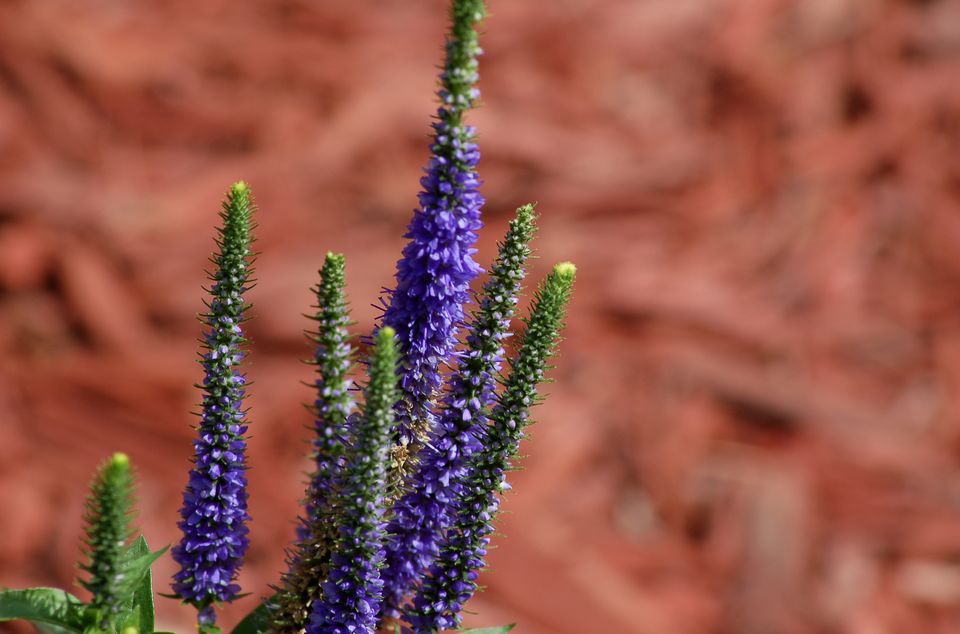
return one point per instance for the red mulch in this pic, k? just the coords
(755, 425)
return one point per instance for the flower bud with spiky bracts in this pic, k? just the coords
(107, 531)
(422, 513)
(214, 511)
(434, 275)
(353, 589)
(452, 578)
(317, 531)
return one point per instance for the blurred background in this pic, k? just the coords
(755, 425)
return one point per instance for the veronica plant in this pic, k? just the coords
(309, 558)
(434, 275)
(116, 567)
(402, 494)
(452, 578)
(421, 515)
(353, 589)
(214, 513)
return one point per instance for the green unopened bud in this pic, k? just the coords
(566, 269)
(107, 531)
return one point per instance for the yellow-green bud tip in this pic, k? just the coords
(566, 269)
(240, 187)
(130, 630)
(387, 332)
(120, 459)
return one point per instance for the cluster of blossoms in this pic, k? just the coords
(433, 277)
(405, 481)
(214, 511)
(400, 503)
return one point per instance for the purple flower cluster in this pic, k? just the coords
(421, 514)
(433, 278)
(399, 508)
(353, 589)
(214, 511)
(434, 275)
(452, 577)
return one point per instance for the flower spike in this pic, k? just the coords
(433, 277)
(107, 532)
(452, 578)
(422, 513)
(317, 531)
(214, 511)
(353, 589)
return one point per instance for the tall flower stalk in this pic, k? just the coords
(353, 589)
(452, 578)
(214, 512)
(400, 502)
(333, 403)
(433, 277)
(107, 533)
(422, 513)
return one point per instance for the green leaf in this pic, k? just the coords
(254, 623)
(503, 629)
(50, 606)
(135, 565)
(140, 610)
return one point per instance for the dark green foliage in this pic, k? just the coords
(43, 606)
(139, 606)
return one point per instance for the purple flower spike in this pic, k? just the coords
(352, 590)
(434, 275)
(317, 530)
(452, 578)
(423, 512)
(214, 512)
